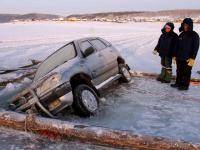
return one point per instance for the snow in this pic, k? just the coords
(147, 107)
(144, 106)
(21, 42)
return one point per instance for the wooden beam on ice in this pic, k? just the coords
(154, 75)
(19, 78)
(21, 72)
(85, 133)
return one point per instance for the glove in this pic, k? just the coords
(174, 60)
(190, 62)
(155, 52)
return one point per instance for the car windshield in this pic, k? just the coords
(56, 59)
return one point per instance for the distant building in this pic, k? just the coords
(84, 19)
(72, 19)
(15, 20)
(61, 19)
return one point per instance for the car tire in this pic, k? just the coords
(124, 71)
(86, 101)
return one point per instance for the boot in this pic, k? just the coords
(168, 76)
(161, 75)
(183, 88)
(175, 85)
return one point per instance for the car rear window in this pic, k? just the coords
(98, 44)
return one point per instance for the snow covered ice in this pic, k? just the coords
(21, 42)
(147, 107)
(144, 106)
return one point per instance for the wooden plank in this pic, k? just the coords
(85, 133)
(26, 74)
(154, 75)
(33, 65)
(21, 73)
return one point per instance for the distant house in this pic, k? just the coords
(15, 20)
(61, 19)
(84, 19)
(72, 19)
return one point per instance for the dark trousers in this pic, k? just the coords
(183, 73)
(166, 62)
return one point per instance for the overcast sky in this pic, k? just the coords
(66, 7)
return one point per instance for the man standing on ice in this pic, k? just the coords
(166, 47)
(186, 52)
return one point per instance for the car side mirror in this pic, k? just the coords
(88, 51)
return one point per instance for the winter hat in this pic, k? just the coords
(169, 24)
(187, 21)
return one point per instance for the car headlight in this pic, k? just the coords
(50, 83)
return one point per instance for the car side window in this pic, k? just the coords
(98, 44)
(85, 45)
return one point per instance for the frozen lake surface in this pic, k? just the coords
(143, 106)
(148, 107)
(21, 42)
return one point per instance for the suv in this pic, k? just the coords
(73, 75)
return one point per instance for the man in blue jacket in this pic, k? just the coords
(186, 52)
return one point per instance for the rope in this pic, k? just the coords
(31, 114)
(40, 105)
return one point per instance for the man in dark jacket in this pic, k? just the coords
(186, 52)
(165, 48)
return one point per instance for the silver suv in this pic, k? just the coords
(73, 76)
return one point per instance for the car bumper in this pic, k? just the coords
(28, 98)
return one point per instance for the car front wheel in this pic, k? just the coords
(86, 101)
(124, 71)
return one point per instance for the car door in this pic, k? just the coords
(109, 54)
(110, 59)
(94, 62)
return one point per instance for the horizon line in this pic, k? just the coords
(142, 11)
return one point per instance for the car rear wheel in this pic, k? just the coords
(86, 101)
(124, 71)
